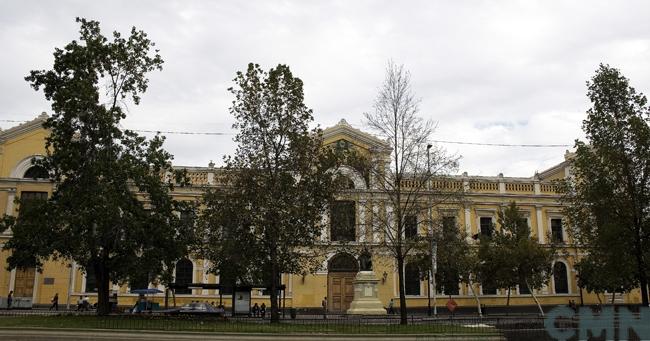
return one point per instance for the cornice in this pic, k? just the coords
(23, 128)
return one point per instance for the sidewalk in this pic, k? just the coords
(58, 334)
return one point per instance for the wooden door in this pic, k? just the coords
(24, 285)
(340, 291)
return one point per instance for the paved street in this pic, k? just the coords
(33, 334)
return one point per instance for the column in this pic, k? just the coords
(205, 280)
(375, 218)
(37, 277)
(468, 222)
(389, 221)
(362, 221)
(324, 226)
(9, 210)
(540, 227)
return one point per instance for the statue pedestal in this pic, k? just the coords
(366, 300)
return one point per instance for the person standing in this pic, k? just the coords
(10, 299)
(324, 305)
(391, 304)
(256, 310)
(55, 302)
(263, 310)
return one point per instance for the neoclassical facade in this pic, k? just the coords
(483, 197)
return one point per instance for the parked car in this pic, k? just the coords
(196, 308)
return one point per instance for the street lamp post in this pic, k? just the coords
(434, 246)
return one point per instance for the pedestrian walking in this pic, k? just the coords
(256, 310)
(10, 299)
(391, 305)
(263, 310)
(55, 302)
(324, 305)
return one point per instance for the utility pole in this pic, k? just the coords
(434, 246)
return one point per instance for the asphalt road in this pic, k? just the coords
(38, 335)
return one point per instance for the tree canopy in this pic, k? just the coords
(510, 256)
(279, 181)
(402, 175)
(607, 196)
(111, 211)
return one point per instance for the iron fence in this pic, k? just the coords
(519, 327)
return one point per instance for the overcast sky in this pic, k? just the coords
(487, 71)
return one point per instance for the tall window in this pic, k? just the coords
(560, 281)
(91, 281)
(139, 282)
(412, 279)
(411, 227)
(448, 225)
(486, 226)
(523, 288)
(184, 269)
(556, 230)
(342, 221)
(36, 172)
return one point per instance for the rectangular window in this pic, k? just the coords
(29, 196)
(342, 221)
(487, 290)
(486, 226)
(411, 227)
(91, 281)
(556, 230)
(448, 225)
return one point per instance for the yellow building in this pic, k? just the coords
(483, 197)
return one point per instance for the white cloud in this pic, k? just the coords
(492, 71)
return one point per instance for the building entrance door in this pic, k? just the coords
(24, 285)
(342, 269)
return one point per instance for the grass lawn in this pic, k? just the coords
(252, 326)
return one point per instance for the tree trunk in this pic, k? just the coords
(643, 278)
(275, 317)
(532, 292)
(508, 300)
(403, 318)
(102, 278)
(613, 296)
(166, 297)
(478, 301)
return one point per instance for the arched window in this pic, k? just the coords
(184, 269)
(560, 281)
(343, 262)
(412, 279)
(36, 172)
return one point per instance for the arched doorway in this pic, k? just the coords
(341, 270)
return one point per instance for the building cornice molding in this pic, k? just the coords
(24, 128)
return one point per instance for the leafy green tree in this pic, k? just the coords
(510, 256)
(97, 215)
(280, 178)
(403, 174)
(596, 274)
(607, 197)
(229, 241)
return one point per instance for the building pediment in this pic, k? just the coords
(343, 131)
